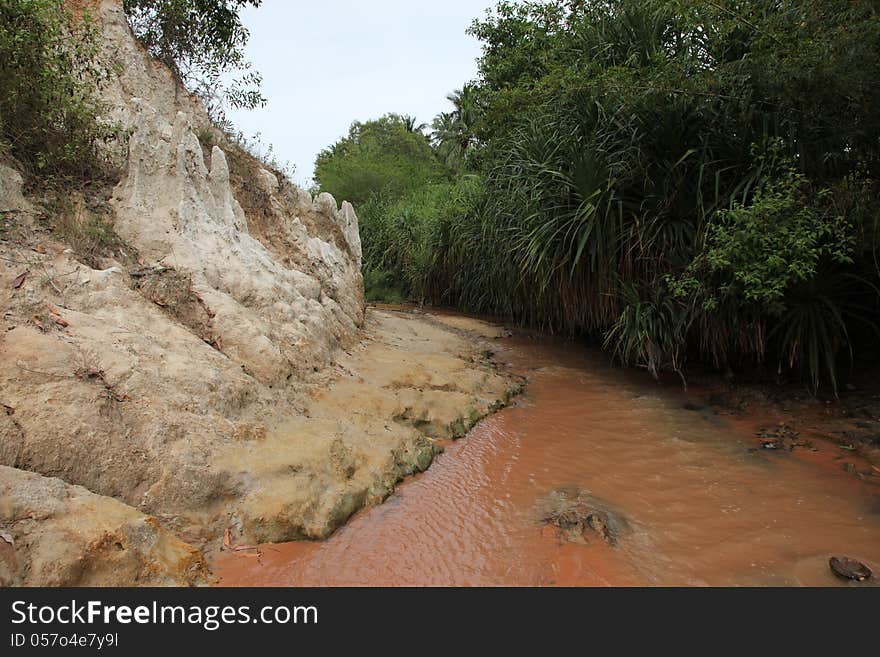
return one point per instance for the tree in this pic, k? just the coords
(453, 133)
(384, 156)
(411, 124)
(200, 40)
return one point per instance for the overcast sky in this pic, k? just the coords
(326, 63)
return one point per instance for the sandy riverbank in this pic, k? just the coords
(321, 451)
(377, 416)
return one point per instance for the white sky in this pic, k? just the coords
(326, 63)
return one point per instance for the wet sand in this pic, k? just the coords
(705, 506)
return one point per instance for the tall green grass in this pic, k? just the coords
(678, 180)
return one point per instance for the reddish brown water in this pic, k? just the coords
(704, 509)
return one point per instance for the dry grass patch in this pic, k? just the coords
(86, 226)
(172, 290)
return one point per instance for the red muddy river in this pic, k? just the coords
(704, 507)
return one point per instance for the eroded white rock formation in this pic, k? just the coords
(123, 397)
(272, 318)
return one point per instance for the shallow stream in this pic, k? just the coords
(704, 506)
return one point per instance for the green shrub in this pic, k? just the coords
(781, 260)
(49, 71)
(385, 157)
(758, 252)
(379, 286)
(410, 239)
(651, 332)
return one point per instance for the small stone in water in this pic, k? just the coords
(850, 569)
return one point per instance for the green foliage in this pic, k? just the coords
(379, 286)
(382, 156)
(453, 134)
(49, 70)
(202, 41)
(651, 331)
(678, 178)
(779, 258)
(629, 141)
(407, 239)
(813, 327)
(758, 252)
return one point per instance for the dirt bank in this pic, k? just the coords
(54, 534)
(787, 418)
(297, 468)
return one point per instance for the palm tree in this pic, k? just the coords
(409, 122)
(453, 133)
